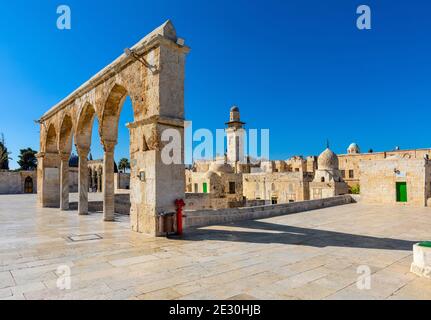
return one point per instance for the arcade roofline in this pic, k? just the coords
(146, 44)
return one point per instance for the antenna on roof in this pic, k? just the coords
(327, 143)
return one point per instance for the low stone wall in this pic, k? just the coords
(12, 182)
(122, 204)
(212, 217)
(205, 201)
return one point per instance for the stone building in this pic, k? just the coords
(349, 162)
(235, 137)
(18, 182)
(396, 180)
(327, 181)
(277, 187)
(218, 187)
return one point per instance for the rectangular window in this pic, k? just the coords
(196, 188)
(232, 188)
(343, 173)
(401, 191)
(351, 174)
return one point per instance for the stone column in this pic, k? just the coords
(157, 182)
(48, 180)
(93, 180)
(108, 181)
(64, 181)
(99, 180)
(83, 181)
(40, 177)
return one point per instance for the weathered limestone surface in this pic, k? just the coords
(221, 216)
(379, 177)
(64, 182)
(153, 78)
(14, 182)
(350, 162)
(421, 261)
(108, 182)
(83, 182)
(307, 255)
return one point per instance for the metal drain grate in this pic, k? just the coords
(84, 237)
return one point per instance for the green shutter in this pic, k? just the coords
(205, 187)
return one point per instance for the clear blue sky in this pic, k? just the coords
(300, 68)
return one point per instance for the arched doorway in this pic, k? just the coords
(28, 185)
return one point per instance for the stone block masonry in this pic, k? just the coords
(214, 217)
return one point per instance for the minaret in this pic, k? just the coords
(235, 137)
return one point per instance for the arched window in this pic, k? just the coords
(28, 185)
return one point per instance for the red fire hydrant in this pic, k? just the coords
(180, 204)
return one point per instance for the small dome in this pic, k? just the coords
(353, 148)
(327, 160)
(221, 167)
(234, 109)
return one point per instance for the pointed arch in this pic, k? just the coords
(111, 112)
(51, 140)
(84, 127)
(66, 134)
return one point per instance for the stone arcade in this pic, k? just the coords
(157, 96)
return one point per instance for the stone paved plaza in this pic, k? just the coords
(310, 255)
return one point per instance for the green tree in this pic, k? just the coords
(4, 155)
(124, 164)
(27, 159)
(356, 189)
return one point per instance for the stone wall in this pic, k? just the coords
(212, 217)
(73, 179)
(379, 177)
(350, 162)
(282, 187)
(203, 201)
(122, 181)
(121, 205)
(13, 182)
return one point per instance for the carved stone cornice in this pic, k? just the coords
(157, 119)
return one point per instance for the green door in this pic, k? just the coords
(401, 192)
(205, 187)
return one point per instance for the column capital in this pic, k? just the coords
(64, 156)
(40, 155)
(83, 152)
(109, 146)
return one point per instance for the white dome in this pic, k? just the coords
(353, 148)
(327, 160)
